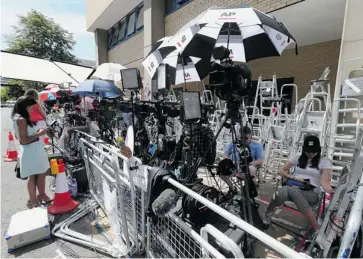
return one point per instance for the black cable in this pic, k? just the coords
(331, 218)
(198, 213)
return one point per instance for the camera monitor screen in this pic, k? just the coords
(190, 102)
(130, 79)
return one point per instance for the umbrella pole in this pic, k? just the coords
(132, 112)
(185, 82)
(229, 33)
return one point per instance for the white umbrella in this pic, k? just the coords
(248, 33)
(181, 69)
(109, 71)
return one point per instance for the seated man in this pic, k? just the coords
(251, 156)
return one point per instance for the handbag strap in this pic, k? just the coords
(35, 140)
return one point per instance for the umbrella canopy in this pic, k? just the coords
(181, 69)
(52, 94)
(101, 87)
(247, 32)
(51, 86)
(109, 71)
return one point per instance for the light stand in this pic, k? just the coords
(132, 111)
(131, 80)
(182, 60)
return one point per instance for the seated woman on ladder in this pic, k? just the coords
(303, 187)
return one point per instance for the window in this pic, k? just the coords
(173, 5)
(122, 33)
(115, 31)
(127, 27)
(140, 18)
(110, 38)
(131, 24)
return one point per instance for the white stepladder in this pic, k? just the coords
(266, 91)
(347, 115)
(335, 223)
(314, 119)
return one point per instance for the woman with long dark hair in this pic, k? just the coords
(33, 160)
(303, 187)
(37, 114)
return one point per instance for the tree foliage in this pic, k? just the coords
(39, 36)
(4, 94)
(15, 88)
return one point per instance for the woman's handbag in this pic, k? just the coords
(17, 171)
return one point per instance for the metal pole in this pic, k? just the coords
(264, 238)
(68, 74)
(353, 225)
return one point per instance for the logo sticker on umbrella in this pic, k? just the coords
(183, 39)
(187, 76)
(227, 16)
(151, 67)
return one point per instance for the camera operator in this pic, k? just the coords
(246, 150)
(86, 105)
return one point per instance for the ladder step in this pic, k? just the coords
(342, 149)
(337, 168)
(345, 140)
(318, 94)
(311, 130)
(342, 154)
(276, 99)
(350, 110)
(348, 137)
(346, 125)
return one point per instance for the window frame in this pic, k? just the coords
(125, 19)
(128, 21)
(175, 7)
(137, 18)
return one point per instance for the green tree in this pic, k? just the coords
(4, 94)
(15, 88)
(39, 36)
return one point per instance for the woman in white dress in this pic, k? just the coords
(33, 159)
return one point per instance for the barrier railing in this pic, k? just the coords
(162, 237)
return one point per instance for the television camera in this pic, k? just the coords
(230, 81)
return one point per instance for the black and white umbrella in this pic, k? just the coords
(181, 69)
(247, 32)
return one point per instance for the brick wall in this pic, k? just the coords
(308, 65)
(176, 20)
(129, 53)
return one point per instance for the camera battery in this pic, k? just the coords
(27, 227)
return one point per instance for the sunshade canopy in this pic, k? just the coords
(23, 67)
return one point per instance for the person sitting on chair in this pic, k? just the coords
(303, 187)
(252, 155)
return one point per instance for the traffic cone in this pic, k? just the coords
(46, 140)
(54, 167)
(62, 202)
(11, 154)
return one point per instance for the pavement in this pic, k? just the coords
(14, 196)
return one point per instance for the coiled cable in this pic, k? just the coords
(198, 213)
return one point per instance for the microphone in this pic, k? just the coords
(164, 203)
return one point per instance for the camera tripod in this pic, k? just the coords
(235, 117)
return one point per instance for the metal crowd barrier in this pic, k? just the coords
(163, 237)
(106, 166)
